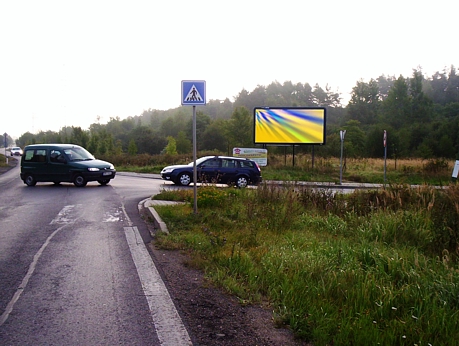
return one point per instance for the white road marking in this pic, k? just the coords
(25, 280)
(61, 218)
(168, 324)
(63, 215)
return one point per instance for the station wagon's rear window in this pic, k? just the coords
(246, 164)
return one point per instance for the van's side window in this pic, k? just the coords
(56, 156)
(35, 155)
(40, 155)
(28, 155)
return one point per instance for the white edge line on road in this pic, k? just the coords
(169, 326)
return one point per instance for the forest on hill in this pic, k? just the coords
(420, 114)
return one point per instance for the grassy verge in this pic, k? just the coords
(371, 267)
(3, 161)
(413, 171)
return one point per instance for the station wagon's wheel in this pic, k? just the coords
(242, 181)
(79, 181)
(30, 180)
(103, 181)
(184, 179)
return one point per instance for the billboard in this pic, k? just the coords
(289, 125)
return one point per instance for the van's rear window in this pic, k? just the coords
(38, 155)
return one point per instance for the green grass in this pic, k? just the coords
(373, 267)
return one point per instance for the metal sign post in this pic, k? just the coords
(5, 140)
(195, 171)
(341, 134)
(194, 94)
(385, 153)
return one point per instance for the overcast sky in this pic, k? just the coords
(66, 63)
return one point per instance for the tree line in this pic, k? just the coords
(420, 114)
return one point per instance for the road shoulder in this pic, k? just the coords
(212, 316)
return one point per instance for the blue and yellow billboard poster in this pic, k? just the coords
(289, 125)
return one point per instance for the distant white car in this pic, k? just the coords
(16, 151)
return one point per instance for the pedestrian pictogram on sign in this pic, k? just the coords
(193, 95)
(193, 92)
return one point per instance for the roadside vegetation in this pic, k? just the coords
(3, 161)
(304, 167)
(338, 269)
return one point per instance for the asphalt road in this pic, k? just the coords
(74, 269)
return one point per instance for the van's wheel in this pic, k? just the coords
(103, 181)
(30, 180)
(242, 182)
(79, 181)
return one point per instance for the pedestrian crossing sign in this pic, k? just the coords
(193, 92)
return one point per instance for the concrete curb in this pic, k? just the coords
(158, 223)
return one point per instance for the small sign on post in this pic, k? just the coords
(260, 156)
(194, 94)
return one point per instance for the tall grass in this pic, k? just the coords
(372, 267)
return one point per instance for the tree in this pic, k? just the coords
(438, 85)
(364, 103)
(396, 107)
(325, 98)
(147, 140)
(202, 121)
(302, 95)
(171, 147)
(384, 85)
(184, 145)
(79, 137)
(240, 128)
(421, 105)
(214, 137)
(354, 142)
(452, 87)
(374, 145)
(132, 148)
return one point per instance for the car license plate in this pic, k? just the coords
(107, 173)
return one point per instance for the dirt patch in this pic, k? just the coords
(211, 316)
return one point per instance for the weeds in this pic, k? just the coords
(373, 266)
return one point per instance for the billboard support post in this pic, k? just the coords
(293, 155)
(312, 156)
